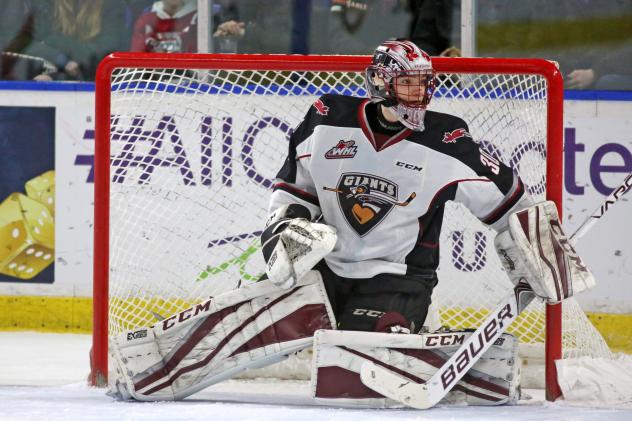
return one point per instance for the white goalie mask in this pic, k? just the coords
(401, 77)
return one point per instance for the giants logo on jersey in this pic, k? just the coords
(366, 199)
(321, 108)
(344, 149)
(451, 137)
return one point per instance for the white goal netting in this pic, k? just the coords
(193, 157)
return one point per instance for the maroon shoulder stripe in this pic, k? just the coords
(452, 183)
(295, 191)
(506, 205)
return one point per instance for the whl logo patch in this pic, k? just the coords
(344, 149)
(451, 137)
(366, 199)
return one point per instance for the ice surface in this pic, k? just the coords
(600, 379)
(42, 377)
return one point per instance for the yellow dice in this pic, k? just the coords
(27, 236)
(42, 189)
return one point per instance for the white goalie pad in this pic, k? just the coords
(534, 247)
(250, 327)
(339, 356)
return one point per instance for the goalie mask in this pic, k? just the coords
(401, 77)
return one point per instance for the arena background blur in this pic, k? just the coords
(65, 39)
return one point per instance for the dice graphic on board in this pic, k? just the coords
(27, 236)
(42, 189)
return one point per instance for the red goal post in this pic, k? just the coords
(286, 64)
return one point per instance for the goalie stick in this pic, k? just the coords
(601, 210)
(428, 394)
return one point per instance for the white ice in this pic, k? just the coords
(43, 377)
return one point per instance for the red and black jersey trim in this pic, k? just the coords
(510, 201)
(363, 121)
(425, 254)
(298, 193)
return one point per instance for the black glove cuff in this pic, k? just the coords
(297, 211)
(270, 236)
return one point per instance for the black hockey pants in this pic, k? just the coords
(359, 303)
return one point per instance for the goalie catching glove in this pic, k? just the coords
(292, 245)
(534, 247)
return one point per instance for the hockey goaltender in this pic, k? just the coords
(351, 266)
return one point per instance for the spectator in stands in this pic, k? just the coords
(16, 23)
(503, 28)
(436, 27)
(228, 29)
(75, 35)
(226, 19)
(170, 26)
(272, 26)
(612, 72)
(356, 27)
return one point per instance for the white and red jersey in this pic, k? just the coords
(158, 31)
(386, 196)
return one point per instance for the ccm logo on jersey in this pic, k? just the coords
(451, 137)
(321, 108)
(366, 312)
(408, 166)
(344, 149)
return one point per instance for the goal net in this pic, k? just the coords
(188, 147)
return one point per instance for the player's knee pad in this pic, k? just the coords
(339, 355)
(217, 339)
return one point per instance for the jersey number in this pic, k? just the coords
(490, 162)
